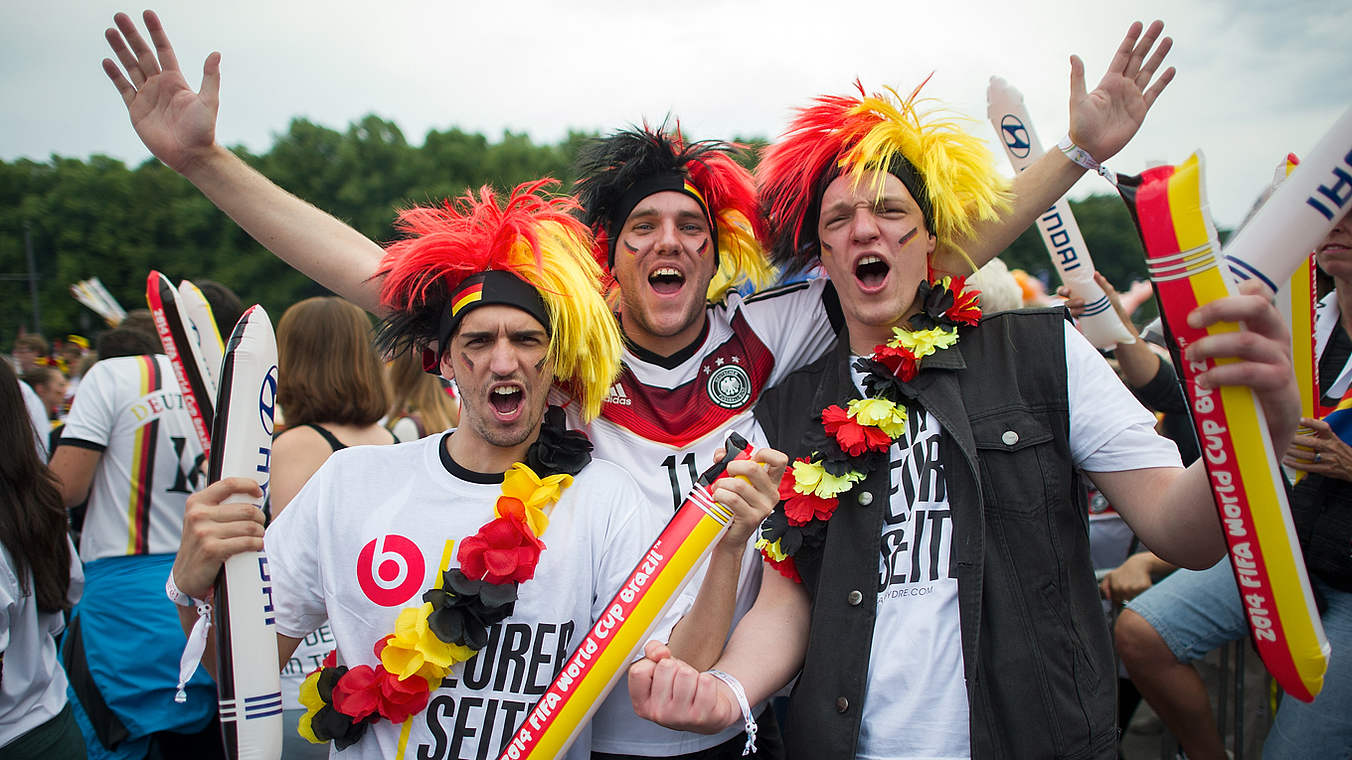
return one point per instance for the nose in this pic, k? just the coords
(503, 360)
(863, 227)
(668, 240)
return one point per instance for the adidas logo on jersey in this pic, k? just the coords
(618, 396)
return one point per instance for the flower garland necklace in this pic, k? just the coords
(452, 623)
(854, 440)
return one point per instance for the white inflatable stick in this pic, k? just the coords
(1060, 233)
(175, 331)
(247, 676)
(208, 334)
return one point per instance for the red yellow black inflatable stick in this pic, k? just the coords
(1185, 263)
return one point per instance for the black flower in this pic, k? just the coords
(935, 300)
(464, 608)
(558, 450)
(330, 725)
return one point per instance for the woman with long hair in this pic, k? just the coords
(421, 404)
(330, 387)
(40, 579)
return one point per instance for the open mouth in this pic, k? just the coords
(666, 280)
(506, 400)
(871, 272)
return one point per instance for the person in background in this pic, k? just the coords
(50, 385)
(420, 403)
(331, 388)
(40, 579)
(30, 351)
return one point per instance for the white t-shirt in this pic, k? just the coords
(33, 685)
(662, 422)
(131, 410)
(363, 540)
(915, 705)
(37, 414)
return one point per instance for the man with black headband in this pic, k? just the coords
(678, 224)
(934, 582)
(507, 538)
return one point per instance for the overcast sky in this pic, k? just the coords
(1256, 79)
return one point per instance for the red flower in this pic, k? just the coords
(786, 568)
(802, 508)
(400, 699)
(503, 550)
(364, 690)
(899, 360)
(854, 439)
(786, 481)
(356, 694)
(330, 659)
(966, 307)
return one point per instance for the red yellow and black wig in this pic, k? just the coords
(457, 256)
(949, 172)
(618, 171)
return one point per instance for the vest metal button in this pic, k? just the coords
(1010, 438)
(865, 498)
(854, 598)
(842, 704)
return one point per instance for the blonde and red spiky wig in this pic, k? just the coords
(458, 255)
(618, 171)
(949, 172)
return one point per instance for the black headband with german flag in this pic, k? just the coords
(485, 289)
(650, 185)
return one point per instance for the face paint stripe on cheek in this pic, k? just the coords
(704, 246)
(541, 364)
(907, 237)
(465, 358)
(628, 247)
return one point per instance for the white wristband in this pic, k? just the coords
(740, 693)
(178, 597)
(197, 639)
(1081, 157)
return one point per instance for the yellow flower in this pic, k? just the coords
(415, 650)
(534, 493)
(922, 343)
(880, 413)
(771, 549)
(309, 696)
(811, 477)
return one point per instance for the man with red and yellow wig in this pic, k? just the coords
(933, 577)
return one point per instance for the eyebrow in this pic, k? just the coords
(845, 205)
(646, 211)
(515, 334)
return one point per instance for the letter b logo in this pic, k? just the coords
(390, 570)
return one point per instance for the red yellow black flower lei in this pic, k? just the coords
(452, 623)
(854, 440)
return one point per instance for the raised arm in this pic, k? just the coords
(178, 125)
(1101, 122)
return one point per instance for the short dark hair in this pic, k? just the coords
(126, 341)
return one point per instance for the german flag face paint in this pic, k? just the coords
(1184, 260)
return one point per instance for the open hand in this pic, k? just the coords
(175, 123)
(1104, 120)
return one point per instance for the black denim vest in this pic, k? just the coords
(1036, 649)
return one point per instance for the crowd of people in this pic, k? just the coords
(909, 571)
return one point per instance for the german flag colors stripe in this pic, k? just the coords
(1183, 257)
(466, 297)
(145, 442)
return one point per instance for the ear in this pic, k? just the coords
(445, 368)
(933, 243)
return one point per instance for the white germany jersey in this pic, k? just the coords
(665, 417)
(130, 409)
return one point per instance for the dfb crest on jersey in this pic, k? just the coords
(730, 386)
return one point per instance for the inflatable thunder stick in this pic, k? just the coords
(1300, 213)
(175, 331)
(1183, 258)
(1060, 233)
(603, 655)
(247, 679)
(206, 332)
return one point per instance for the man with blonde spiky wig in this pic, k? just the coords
(456, 572)
(933, 575)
